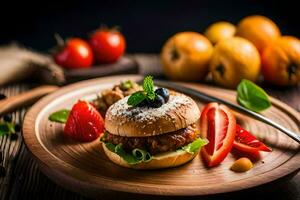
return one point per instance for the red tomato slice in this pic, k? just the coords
(248, 143)
(217, 124)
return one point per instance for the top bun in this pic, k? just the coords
(124, 120)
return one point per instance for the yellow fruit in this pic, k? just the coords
(220, 31)
(186, 56)
(234, 59)
(281, 61)
(259, 30)
(242, 165)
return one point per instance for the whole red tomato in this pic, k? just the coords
(108, 45)
(75, 54)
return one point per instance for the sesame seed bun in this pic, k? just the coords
(179, 112)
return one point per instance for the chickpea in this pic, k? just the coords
(242, 165)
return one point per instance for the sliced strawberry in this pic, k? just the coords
(84, 123)
(217, 124)
(248, 143)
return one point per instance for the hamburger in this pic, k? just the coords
(152, 132)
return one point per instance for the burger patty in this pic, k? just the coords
(156, 144)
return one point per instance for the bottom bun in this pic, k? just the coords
(163, 160)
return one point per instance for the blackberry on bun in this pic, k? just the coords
(152, 129)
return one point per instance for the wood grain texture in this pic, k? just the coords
(85, 169)
(125, 65)
(9, 148)
(10, 104)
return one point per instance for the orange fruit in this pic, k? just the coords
(186, 56)
(234, 59)
(219, 31)
(281, 61)
(259, 30)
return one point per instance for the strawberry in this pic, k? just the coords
(84, 123)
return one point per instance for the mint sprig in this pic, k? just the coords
(147, 93)
(136, 98)
(148, 86)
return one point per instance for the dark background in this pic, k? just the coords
(145, 24)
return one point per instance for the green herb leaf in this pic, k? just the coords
(7, 128)
(148, 93)
(4, 129)
(60, 116)
(251, 96)
(195, 145)
(136, 98)
(148, 87)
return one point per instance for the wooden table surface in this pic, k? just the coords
(24, 180)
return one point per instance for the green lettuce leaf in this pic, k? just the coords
(135, 157)
(139, 155)
(129, 158)
(110, 146)
(195, 145)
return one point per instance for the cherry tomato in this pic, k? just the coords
(75, 54)
(217, 124)
(84, 123)
(248, 143)
(108, 45)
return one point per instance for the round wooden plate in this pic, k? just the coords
(84, 168)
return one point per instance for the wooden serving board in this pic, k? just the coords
(84, 168)
(125, 65)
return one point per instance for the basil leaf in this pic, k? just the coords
(60, 116)
(195, 145)
(136, 98)
(251, 96)
(148, 87)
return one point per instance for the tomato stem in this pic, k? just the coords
(60, 41)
